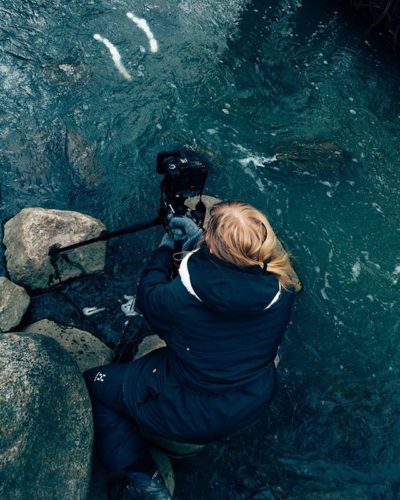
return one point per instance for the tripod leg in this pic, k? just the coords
(130, 338)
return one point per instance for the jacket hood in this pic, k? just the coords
(227, 288)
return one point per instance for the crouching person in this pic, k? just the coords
(222, 318)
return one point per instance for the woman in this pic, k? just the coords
(223, 318)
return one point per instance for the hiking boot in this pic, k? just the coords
(142, 486)
(149, 488)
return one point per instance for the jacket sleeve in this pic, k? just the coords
(156, 298)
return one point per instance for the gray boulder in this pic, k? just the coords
(29, 235)
(14, 301)
(45, 421)
(84, 347)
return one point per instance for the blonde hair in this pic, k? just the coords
(241, 234)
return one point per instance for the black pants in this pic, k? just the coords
(118, 442)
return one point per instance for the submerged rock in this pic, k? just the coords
(81, 158)
(75, 72)
(311, 152)
(14, 301)
(45, 421)
(67, 73)
(29, 235)
(84, 347)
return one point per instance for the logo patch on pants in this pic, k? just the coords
(99, 377)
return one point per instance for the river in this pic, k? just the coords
(297, 108)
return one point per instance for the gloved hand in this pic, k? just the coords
(167, 241)
(184, 230)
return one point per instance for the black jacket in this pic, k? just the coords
(222, 325)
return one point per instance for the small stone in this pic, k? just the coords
(14, 302)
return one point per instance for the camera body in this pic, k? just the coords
(184, 177)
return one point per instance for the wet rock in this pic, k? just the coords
(14, 301)
(29, 235)
(67, 73)
(148, 344)
(303, 151)
(81, 158)
(45, 421)
(309, 160)
(75, 72)
(84, 347)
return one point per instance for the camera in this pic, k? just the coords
(184, 177)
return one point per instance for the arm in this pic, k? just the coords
(155, 296)
(157, 292)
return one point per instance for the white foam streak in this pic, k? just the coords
(258, 161)
(116, 56)
(356, 270)
(143, 25)
(396, 275)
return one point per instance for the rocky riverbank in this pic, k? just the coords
(45, 411)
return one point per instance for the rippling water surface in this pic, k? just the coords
(298, 110)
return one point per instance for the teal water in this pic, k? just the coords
(298, 111)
